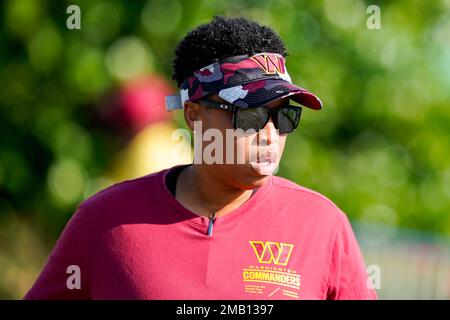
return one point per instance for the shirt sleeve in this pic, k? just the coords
(65, 275)
(347, 279)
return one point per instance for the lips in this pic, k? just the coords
(266, 162)
(264, 168)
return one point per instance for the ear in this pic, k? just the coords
(192, 112)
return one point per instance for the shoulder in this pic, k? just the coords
(125, 195)
(315, 201)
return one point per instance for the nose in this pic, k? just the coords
(269, 130)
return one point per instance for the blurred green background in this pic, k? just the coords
(83, 109)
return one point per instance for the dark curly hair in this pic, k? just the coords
(220, 38)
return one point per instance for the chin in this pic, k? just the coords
(255, 181)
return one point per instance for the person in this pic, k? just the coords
(224, 226)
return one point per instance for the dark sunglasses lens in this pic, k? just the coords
(254, 118)
(288, 119)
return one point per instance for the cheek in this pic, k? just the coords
(282, 143)
(249, 142)
(240, 152)
(219, 119)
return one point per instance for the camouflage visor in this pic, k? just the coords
(245, 81)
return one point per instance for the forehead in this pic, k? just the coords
(274, 104)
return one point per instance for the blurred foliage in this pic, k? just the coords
(380, 148)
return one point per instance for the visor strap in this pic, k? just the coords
(173, 102)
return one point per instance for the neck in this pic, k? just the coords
(204, 194)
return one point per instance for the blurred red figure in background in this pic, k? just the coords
(138, 103)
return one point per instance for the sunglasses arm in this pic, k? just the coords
(218, 105)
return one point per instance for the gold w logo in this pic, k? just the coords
(272, 252)
(270, 63)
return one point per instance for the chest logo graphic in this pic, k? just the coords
(272, 277)
(272, 252)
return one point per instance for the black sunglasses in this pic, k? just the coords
(285, 118)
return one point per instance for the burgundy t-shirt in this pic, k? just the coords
(134, 240)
